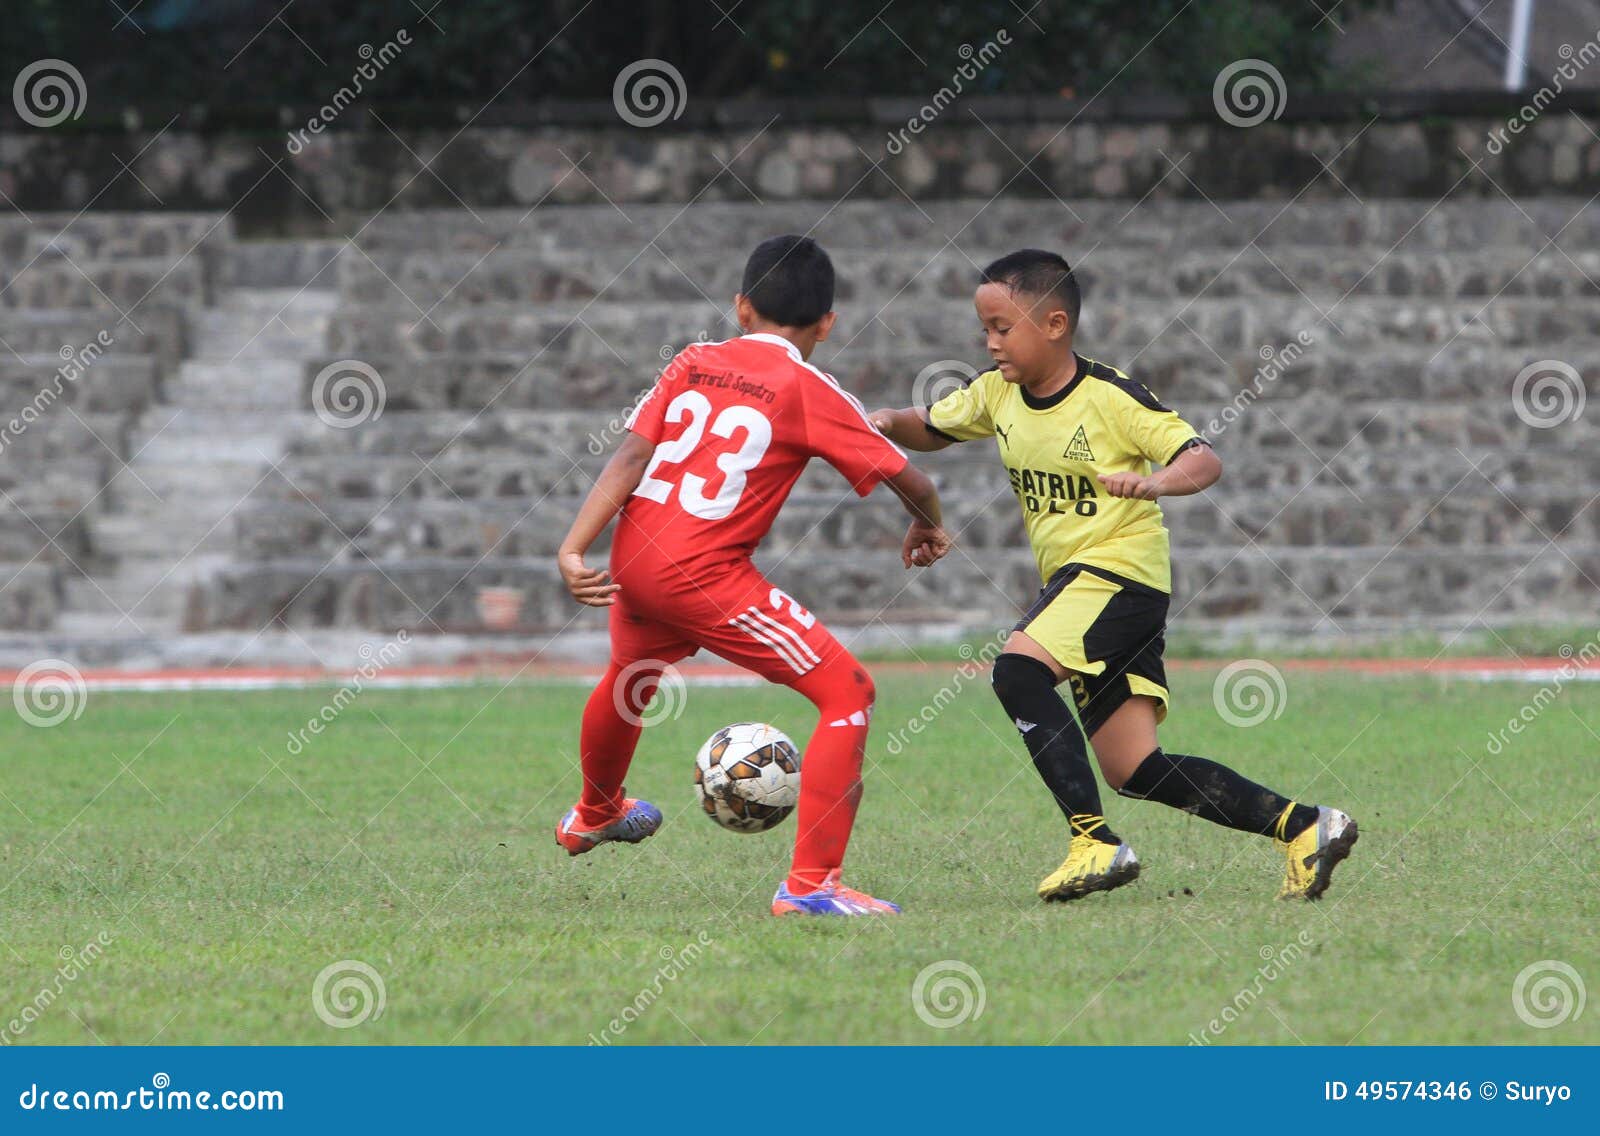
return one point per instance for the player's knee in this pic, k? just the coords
(1018, 679)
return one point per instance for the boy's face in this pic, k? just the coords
(1026, 335)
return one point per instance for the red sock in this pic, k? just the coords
(830, 772)
(607, 743)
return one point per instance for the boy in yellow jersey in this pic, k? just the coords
(1078, 439)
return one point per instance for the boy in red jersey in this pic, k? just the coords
(711, 455)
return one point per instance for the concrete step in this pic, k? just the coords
(248, 384)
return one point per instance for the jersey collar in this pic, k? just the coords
(1060, 396)
(768, 337)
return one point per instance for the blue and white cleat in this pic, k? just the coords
(832, 898)
(639, 821)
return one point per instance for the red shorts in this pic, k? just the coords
(732, 610)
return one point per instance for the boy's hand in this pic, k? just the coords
(587, 585)
(924, 545)
(1131, 485)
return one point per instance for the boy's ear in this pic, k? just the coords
(825, 325)
(1058, 325)
(744, 311)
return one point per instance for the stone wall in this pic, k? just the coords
(1319, 147)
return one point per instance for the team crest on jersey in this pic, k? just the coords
(1078, 449)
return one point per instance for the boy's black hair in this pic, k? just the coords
(789, 280)
(1034, 272)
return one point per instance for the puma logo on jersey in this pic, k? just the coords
(1078, 449)
(1001, 432)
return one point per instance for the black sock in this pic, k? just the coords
(1027, 689)
(1216, 793)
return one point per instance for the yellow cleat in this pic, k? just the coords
(1314, 854)
(1091, 865)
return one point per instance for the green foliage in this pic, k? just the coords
(256, 53)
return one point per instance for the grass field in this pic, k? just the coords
(218, 874)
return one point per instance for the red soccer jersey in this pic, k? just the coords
(734, 424)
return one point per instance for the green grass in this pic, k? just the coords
(226, 873)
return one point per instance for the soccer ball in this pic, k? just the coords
(748, 776)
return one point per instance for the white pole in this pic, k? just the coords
(1517, 53)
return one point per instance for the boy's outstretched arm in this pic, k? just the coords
(1196, 469)
(616, 484)
(908, 428)
(926, 541)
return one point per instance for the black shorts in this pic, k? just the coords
(1109, 632)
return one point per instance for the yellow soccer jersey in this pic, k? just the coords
(1054, 449)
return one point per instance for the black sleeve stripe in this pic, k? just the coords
(938, 433)
(1189, 445)
(1133, 388)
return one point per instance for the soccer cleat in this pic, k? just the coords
(639, 821)
(1091, 865)
(832, 898)
(1314, 854)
